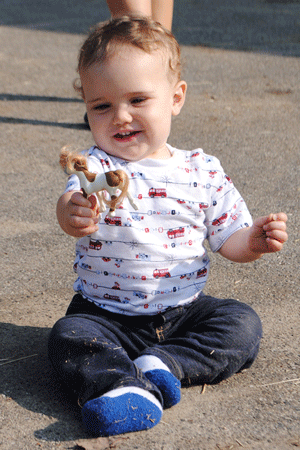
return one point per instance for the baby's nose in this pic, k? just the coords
(121, 116)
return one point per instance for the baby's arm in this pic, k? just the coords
(267, 235)
(76, 214)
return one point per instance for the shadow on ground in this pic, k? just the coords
(252, 25)
(26, 376)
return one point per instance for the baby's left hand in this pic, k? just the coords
(268, 233)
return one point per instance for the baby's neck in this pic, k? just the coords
(164, 153)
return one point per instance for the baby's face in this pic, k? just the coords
(130, 100)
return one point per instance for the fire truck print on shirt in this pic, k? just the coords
(142, 262)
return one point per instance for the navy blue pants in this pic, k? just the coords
(206, 341)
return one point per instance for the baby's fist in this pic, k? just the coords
(272, 230)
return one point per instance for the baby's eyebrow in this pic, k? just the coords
(141, 93)
(128, 95)
(100, 99)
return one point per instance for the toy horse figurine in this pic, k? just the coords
(113, 181)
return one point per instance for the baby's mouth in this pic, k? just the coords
(126, 135)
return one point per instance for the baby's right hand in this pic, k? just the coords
(77, 215)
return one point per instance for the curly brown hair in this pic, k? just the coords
(141, 32)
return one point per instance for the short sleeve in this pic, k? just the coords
(226, 214)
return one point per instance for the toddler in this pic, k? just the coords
(139, 326)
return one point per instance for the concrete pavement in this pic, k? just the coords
(242, 106)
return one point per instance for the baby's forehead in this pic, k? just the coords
(125, 54)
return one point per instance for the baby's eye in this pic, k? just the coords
(137, 100)
(102, 107)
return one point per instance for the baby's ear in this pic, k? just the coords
(179, 97)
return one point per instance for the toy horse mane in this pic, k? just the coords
(112, 181)
(75, 162)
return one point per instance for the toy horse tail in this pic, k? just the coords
(74, 162)
(64, 160)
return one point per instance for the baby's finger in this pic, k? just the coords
(275, 225)
(274, 245)
(81, 232)
(278, 217)
(81, 211)
(264, 221)
(278, 235)
(79, 221)
(78, 199)
(93, 201)
(94, 205)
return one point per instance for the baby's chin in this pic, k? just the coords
(134, 153)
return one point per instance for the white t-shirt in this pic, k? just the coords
(145, 261)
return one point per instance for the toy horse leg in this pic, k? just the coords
(132, 202)
(102, 206)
